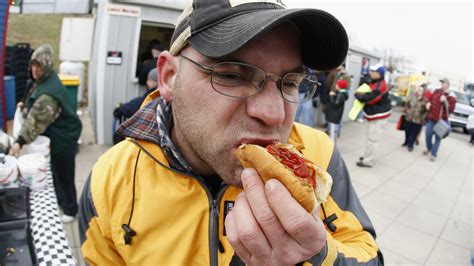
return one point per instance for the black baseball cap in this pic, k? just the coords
(217, 28)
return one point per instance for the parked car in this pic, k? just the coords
(469, 89)
(461, 112)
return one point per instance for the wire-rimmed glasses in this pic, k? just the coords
(240, 80)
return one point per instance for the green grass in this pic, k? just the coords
(37, 29)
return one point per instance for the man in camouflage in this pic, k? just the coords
(50, 113)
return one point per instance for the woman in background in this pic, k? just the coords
(415, 112)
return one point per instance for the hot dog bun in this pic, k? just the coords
(269, 167)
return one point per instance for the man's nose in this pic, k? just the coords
(267, 106)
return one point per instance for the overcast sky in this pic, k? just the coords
(435, 35)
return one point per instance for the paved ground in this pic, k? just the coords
(422, 210)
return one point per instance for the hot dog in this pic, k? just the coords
(308, 184)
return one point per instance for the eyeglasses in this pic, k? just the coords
(240, 80)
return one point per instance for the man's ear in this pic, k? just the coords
(167, 66)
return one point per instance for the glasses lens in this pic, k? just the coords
(236, 80)
(240, 80)
(298, 87)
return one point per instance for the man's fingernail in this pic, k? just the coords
(247, 172)
(271, 185)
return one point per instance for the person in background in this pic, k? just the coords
(415, 115)
(126, 110)
(377, 109)
(321, 96)
(332, 77)
(305, 108)
(427, 96)
(174, 193)
(155, 49)
(50, 113)
(439, 105)
(364, 79)
(470, 128)
(364, 71)
(336, 108)
(340, 73)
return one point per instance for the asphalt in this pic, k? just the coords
(421, 210)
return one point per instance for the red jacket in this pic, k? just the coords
(377, 102)
(437, 106)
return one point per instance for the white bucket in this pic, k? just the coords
(9, 172)
(33, 172)
(40, 145)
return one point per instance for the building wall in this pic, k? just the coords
(114, 84)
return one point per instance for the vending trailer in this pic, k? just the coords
(123, 32)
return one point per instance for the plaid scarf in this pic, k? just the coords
(153, 123)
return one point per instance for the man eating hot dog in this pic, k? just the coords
(174, 192)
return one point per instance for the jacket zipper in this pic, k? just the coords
(213, 220)
(214, 242)
(213, 232)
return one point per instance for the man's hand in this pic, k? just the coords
(428, 106)
(267, 226)
(15, 149)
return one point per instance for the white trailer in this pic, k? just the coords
(123, 30)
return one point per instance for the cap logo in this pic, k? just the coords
(234, 3)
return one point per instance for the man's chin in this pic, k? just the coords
(234, 180)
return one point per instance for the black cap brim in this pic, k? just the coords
(324, 41)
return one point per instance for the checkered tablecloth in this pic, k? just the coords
(49, 237)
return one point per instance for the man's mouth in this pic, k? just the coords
(263, 142)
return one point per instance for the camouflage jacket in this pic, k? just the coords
(416, 108)
(42, 114)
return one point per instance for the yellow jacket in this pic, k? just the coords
(175, 217)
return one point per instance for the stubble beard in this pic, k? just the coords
(210, 153)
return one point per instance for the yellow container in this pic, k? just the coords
(71, 82)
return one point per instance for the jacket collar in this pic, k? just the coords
(153, 123)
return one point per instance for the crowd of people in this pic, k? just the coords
(425, 108)
(421, 108)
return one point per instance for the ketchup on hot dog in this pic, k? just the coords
(296, 163)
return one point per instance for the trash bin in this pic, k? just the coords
(71, 82)
(10, 99)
